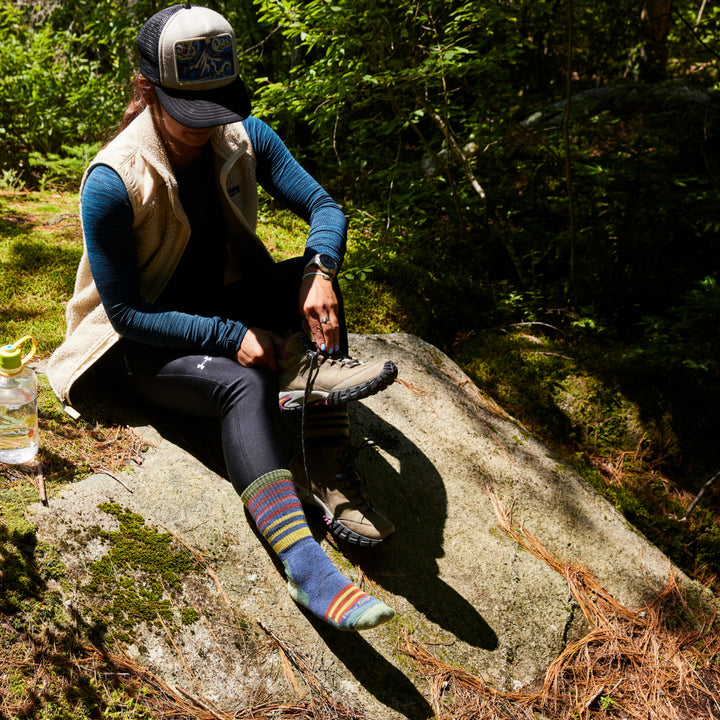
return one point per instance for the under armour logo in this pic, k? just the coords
(205, 361)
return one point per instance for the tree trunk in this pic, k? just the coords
(655, 20)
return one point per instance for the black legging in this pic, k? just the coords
(219, 387)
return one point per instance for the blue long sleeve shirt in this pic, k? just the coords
(188, 315)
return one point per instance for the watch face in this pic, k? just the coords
(328, 262)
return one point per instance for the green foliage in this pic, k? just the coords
(65, 71)
(708, 548)
(63, 169)
(50, 94)
(681, 337)
(419, 117)
(380, 89)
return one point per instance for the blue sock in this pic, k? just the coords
(313, 581)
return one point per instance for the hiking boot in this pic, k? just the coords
(337, 489)
(307, 376)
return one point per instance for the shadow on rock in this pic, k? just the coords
(416, 500)
(378, 676)
(415, 497)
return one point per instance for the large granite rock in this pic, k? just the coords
(456, 580)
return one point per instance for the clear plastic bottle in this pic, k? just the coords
(18, 404)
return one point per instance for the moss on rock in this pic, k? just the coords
(139, 577)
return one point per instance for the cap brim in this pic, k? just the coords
(206, 108)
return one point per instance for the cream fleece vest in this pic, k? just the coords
(161, 231)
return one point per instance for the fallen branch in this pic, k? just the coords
(107, 472)
(703, 489)
(40, 480)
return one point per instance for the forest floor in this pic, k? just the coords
(548, 382)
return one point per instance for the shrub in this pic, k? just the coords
(50, 95)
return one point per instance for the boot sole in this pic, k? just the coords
(339, 531)
(294, 399)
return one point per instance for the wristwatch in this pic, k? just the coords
(325, 263)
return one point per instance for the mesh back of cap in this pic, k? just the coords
(148, 40)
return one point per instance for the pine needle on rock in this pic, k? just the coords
(659, 663)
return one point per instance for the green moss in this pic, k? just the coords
(708, 548)
(369, 306)
(13, 501)
(604, 420)
(138, 579)
(51, 564)
(22, 582)
(188, 616)
(522, 372)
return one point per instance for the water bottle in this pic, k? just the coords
(18, 404)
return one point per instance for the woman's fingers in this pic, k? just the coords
(319, 306)
(326, 331)
(258, 349)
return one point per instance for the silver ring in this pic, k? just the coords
(323, 319)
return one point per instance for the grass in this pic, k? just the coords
(580, 399)
(40, 248)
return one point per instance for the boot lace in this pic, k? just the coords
(316, 357)
(347, 457)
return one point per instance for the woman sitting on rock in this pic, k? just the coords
(178, 302)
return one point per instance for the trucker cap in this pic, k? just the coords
(190, 54)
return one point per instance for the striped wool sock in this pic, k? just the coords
(313, 581)
(323, 422)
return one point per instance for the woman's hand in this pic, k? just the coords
(319, 307)
(257, 349)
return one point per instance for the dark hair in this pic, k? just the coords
(136, 105)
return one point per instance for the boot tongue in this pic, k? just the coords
(292, 346)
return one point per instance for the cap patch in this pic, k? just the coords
(190, 54)
(201, 60)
